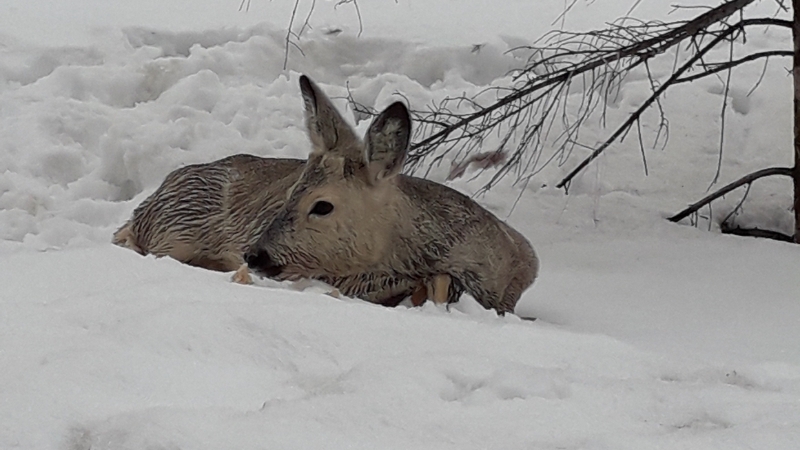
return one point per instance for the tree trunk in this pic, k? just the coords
(796, 76)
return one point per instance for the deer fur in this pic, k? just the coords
(207, 215)
(386, 236)
(353, 220)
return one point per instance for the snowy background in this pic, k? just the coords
(650, 334)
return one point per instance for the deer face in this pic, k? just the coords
(340, 215)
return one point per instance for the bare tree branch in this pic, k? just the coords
(597, 61)
(725, 92)
(700, 53)
(643, 49)
(289, 34)
(796, 101)
(537, 110)
(731, 64)
(747, 179)
(358, 13)
(725, 228)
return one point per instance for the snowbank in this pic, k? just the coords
(649, 334)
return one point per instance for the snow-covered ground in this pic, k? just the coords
(650, 334)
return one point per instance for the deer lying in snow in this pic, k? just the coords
(345, 216)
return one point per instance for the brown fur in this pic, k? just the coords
(386, 231)
(387, 237)
(207, 215)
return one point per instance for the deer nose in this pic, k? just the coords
(260, 261)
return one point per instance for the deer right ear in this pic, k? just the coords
(326, 127)
(387, 142)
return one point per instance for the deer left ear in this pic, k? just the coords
(387, 142)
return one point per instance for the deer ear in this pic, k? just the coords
(326, 127)
(387, 142)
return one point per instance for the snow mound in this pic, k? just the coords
(648, 334)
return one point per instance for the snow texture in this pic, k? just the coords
(649, 334)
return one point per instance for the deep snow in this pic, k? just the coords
(650, 334)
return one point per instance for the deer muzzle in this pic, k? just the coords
(260, 262)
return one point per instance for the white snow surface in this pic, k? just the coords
(648, 334)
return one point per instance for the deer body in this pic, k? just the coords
(345, 216)
(436, 230)
(207, 215)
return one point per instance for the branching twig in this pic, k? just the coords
(358, 13)
(726, 90)
(538, 112)
(289, 35)
(733, 63)
(755, 232)
(700, 52)
(524, 115)
(747, 179)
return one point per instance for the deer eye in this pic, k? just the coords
(321, 208)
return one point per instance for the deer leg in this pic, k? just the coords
(242, 275)
(419, 295)
(438, 288)
(124, 237)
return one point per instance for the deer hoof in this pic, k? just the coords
(242, 275)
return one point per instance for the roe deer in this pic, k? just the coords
(352, 220)
(346, 216)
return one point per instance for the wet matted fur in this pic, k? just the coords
(345, 216)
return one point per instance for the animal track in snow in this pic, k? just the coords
(711, 376)
(509, 383)
(738, 101)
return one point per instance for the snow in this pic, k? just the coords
(648, 334)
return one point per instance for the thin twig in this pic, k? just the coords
(289, 35)
(646, 104)
(738, 206)
(641, 49)
(358, 13)
(725, 92)
(733, 63)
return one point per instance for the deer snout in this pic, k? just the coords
(261, 262)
